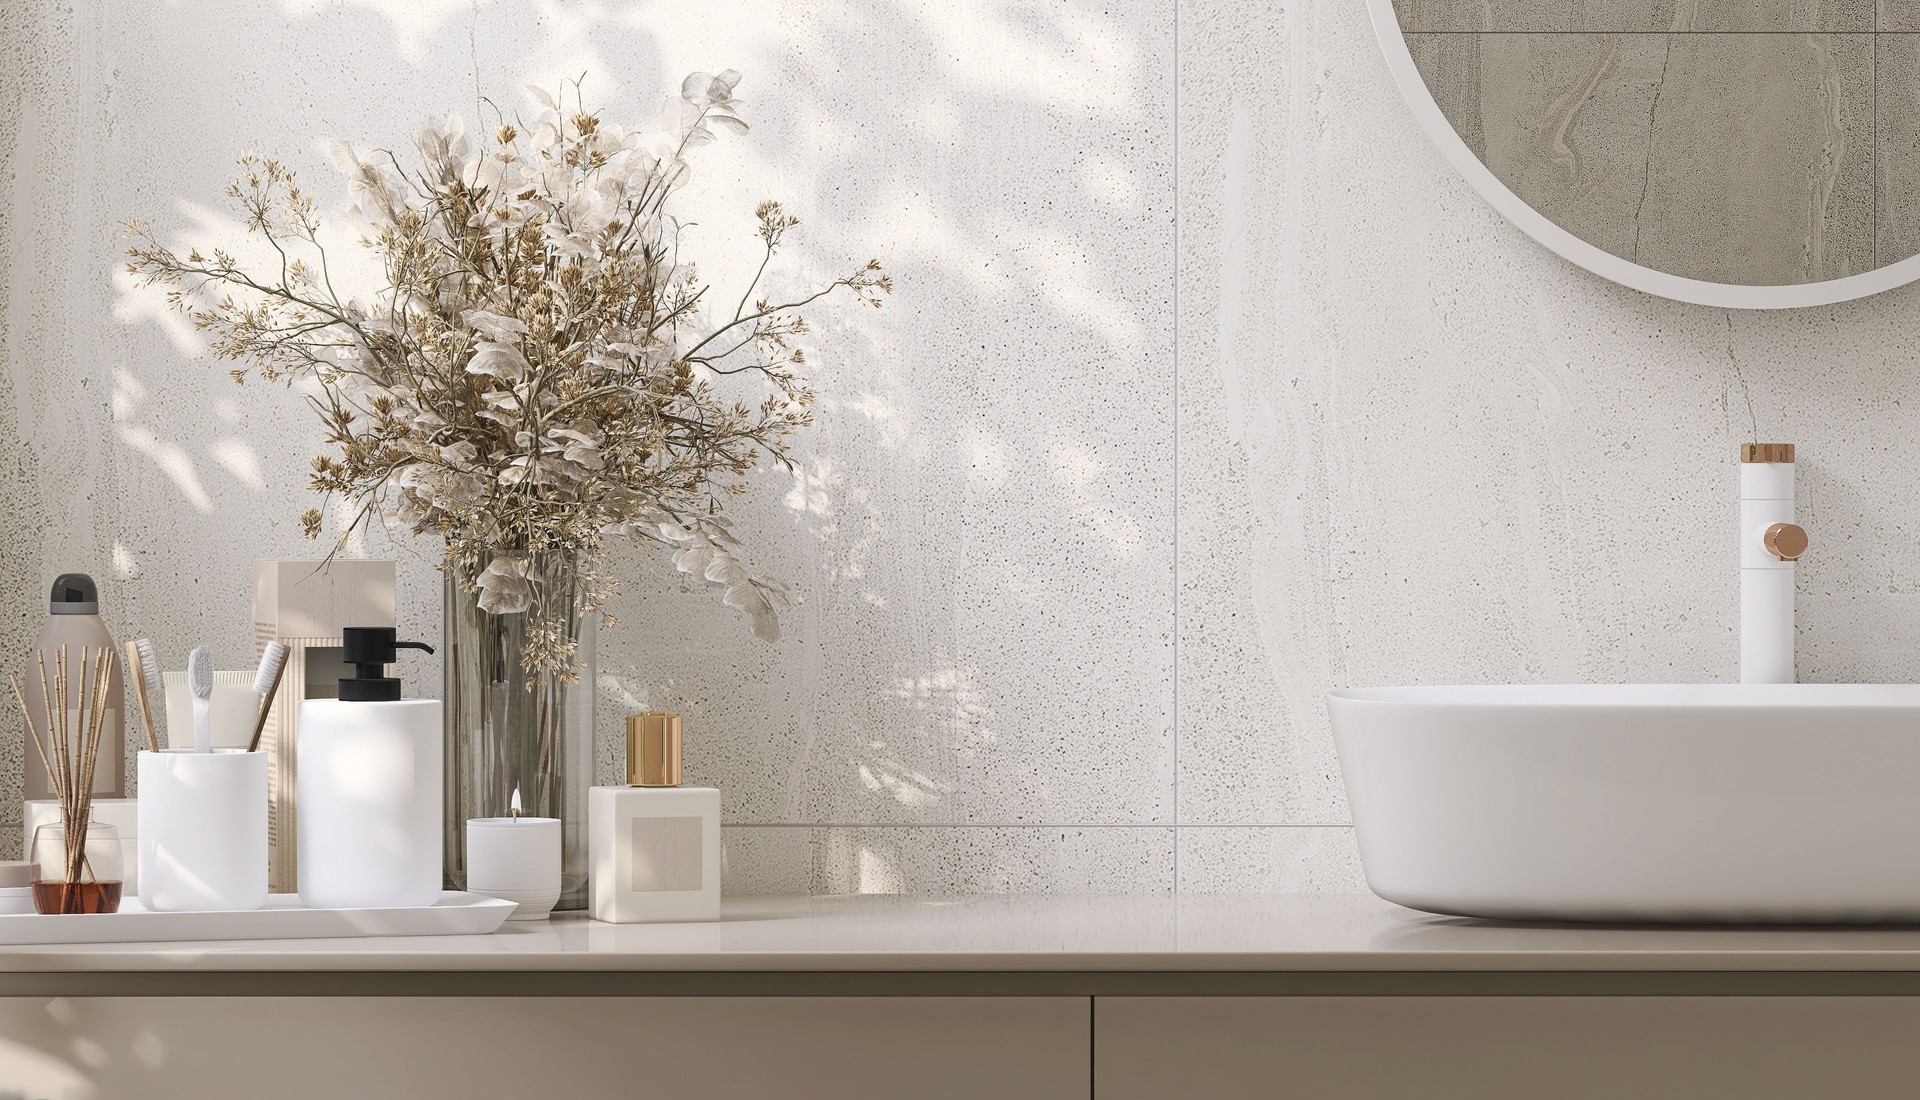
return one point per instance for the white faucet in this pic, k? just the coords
(1770, 542)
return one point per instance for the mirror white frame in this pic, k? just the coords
(1406, 76)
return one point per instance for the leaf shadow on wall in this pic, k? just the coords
(984, 635)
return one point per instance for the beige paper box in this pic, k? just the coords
(304, 604)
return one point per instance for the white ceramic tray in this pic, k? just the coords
(282, 918)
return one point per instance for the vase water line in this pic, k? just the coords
(510, 729)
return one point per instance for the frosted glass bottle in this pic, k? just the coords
(368, 792)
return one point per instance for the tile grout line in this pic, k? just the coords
(1177, 268)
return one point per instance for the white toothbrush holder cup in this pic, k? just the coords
(203, 830)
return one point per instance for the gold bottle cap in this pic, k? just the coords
(1766, 452)
(653, 749)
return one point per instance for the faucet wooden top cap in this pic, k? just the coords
(1766, 452)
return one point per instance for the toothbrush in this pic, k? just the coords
(145, 666)
(200, 683)
(273, 662)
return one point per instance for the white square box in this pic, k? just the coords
(654, 854)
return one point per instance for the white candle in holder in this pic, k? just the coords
(516, 859)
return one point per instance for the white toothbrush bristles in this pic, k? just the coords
(200, 683)
(273, 662)
(149, 665)
(270, 662)
(145, 667)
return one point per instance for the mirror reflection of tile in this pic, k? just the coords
(1756, 142)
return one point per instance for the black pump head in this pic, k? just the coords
(370, 649)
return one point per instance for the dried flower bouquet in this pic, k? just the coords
(543, 369)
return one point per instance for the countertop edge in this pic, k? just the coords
(179, 958)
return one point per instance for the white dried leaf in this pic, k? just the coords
(493, 325)
(504, 588)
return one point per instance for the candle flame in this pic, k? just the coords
(514, 807)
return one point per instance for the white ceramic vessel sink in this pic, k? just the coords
(1686, 802)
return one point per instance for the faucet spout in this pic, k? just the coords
(1770, 543)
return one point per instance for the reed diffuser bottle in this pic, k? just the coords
(76, 862)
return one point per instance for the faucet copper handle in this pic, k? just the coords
(1786, 541)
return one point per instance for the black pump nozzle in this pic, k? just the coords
(370, 649)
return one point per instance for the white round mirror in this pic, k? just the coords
(1752, 154)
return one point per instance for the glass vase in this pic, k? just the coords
(84, 877)
(511, 730)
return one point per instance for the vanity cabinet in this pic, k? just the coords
(1031, 1047)
(1505, 1048)
(1315, 997)
(686, 1048)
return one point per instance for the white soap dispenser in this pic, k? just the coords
(368, 792)
(653, 846)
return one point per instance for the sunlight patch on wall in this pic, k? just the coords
(877, 873)
(169, 458)
(416, 23)
(1048, 53)
(236, 456)
(124, 566)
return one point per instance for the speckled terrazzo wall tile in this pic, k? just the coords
(1254, 860)
(762, 860)
(935, 860)
(1899, 15)
(1897, 146)
(915, 859)
(981, 526)
(59, 494)
(1418, 448)
(1743, 158)
(1255, 488)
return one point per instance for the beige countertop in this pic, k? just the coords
(1003, 934)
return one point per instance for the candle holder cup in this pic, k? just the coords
(516, 859)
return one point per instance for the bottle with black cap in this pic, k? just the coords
(74, 621)
(368, 786)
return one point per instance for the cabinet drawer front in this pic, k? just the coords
(1492, 1048)
(696, 1048)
